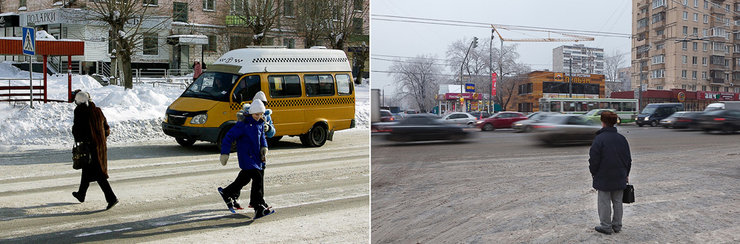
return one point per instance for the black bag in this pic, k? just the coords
(629, 194)
(80, 155)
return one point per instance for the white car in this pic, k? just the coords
(459, 118)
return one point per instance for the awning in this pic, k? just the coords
(187, 40)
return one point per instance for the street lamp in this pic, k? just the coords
(383, 88)
(473, 44)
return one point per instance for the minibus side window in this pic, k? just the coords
(344, 86)
(248, 86)
(284, 85)
(319, 85)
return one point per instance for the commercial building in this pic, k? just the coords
(693, 45)
(578, 59)
(546, 84)
(692, 100)
(177, 32)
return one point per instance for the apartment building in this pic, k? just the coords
(579, 59)
(692, 45)
(177, 32)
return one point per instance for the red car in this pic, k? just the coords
(500, 120)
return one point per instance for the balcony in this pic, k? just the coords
(718, 80)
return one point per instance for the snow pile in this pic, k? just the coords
(133, 115)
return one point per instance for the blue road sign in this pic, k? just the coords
(29, 41)
(469, 87)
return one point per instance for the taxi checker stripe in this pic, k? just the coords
(302, 102)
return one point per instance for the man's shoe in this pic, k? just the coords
(77, 196)
(111, 204)
(617, 230)
(603, 230)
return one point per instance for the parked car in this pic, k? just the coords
(386, 116)
(727, 121)
(425, 127)
(565, 129)
(459, 118)
(526, 125)
(654, 112)
(398, 116)
(480, 114)
(681, 120)
(499, 120)
(595, 115)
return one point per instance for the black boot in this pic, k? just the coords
(111, 204)
(78, 197)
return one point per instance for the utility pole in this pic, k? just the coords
(490, 69)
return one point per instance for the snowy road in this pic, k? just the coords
(168, 193)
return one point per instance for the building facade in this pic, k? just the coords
(692, 45)
(177, 32)
(545, 84)
(578, 59)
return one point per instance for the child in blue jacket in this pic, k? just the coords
(252, 150)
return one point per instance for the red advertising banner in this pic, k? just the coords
(493, 84)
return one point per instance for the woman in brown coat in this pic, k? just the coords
(90, 126)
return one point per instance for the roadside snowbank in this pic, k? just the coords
(134, 115)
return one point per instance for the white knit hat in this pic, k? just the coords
(257, 107)
(261, 96)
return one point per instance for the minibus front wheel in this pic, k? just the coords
(185, 142)
(315, 137)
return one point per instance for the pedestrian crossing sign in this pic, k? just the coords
(29, 41)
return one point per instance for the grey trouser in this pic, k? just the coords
(606, 200)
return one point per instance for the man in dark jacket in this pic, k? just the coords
(610, 164)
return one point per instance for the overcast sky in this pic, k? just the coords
(412, 39)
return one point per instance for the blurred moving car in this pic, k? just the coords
(526, 125)
(386, 116)
(727, 121)
(681, 120)
(654, 112)
(595, 115)
(480, 114)
(459, 118)
(499, 120)
(565, 129)
(425, 127)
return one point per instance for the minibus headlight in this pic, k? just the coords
(199, 119)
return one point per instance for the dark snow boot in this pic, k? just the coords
(77, 195)
(111, 204)
(227, 200)
(262, 210)
(236, 204)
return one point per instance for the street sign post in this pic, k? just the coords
(29, 48)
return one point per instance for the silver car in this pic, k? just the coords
(459, 118)
(565, 129)
(526, 125)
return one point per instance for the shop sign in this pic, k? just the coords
(722, 96)
(466, 96)
(681, 97)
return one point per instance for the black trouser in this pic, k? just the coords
(110, 197)
(256, 199)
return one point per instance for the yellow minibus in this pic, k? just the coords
(310, 92)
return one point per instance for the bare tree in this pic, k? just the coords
(258, 16)
(612, 63)
(418, 80)
(312, 20)
(125, 19)
(347, 17)
(484, 60)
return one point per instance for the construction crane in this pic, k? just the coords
(573, 38)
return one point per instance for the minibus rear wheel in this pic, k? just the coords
(185, 142)
(315, 137)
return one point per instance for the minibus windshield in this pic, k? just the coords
(212, 85)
